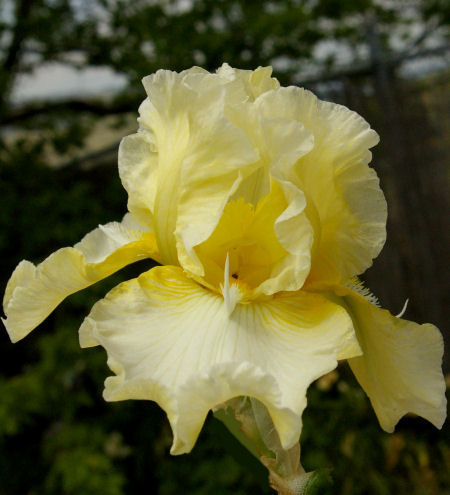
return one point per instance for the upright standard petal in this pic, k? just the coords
(336, 178)
(190, 157)
(138, 164)
(170, 340)
(281, 217)
(33, 292)
(249, 84)
(400, 368)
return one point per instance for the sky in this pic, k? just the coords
(53, 81)
(58, 81)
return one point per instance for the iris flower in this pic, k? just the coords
(259, 205)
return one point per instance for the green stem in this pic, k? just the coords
(250, 422)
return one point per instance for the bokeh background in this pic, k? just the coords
(70, 74)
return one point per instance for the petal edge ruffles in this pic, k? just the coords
(170, 340)
(337, 179)
(33, 292)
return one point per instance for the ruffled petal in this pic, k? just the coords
(191, 159)
(249, 84)
(268, 245)
(281, 208)
(171, 340)
(293, 232)
(138, 162)
(336, 178)
(400, 369)
(33, 292)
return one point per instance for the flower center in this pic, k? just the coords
(245, 239)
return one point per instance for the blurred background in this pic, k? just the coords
(70, 74)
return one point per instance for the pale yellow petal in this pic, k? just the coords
(138, 163)
(198, 158)
(400, 369)
(281, 144)
(33, 292)
(170, 340)
(276, 246)
(293, 232)
(336, 178)
(252, 83)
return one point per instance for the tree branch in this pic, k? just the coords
(94, 107)
(94, 158)
(429, 28)
(368, 69)
(11, 61)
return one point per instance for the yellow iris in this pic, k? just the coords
(260, 205)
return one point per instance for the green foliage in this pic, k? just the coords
(82, 460)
